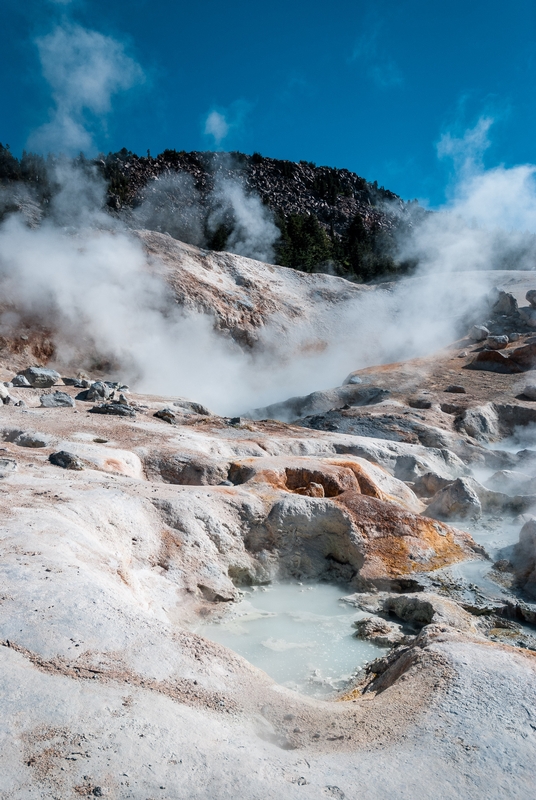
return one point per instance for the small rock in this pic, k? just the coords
(312, 490)
(76, 382)
(57, 400)
(166, 414)
(118, 409)
(463, 354)
(530, 297)
(505, 303)
(514, 337)
(419, 402)
(21, 382)
(478, 333)
(378, 631)
(354, 379)
(66, 460)
(32, 439)
(189, 407)
(98, 391)
(455, 389)
(497, 342)
(8, 465)
(41, 377)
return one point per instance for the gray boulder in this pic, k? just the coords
(478, 333)
(57, 400)
(32, 439)
(117, 409)
(189, 407)
(21, 382)
(379, 631)
(78, 383)
(66, 460)
(531, 297)
(7, 465)
(167, 415)
(98, 391)
(457, 500)
(497, 342)
(504, 303)
(41, 377)
(419, 402)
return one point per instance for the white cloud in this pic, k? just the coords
(489, 221)
(222, 123)
(467, 150)
(216, 126)
(84, 69)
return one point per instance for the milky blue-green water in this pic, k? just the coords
(301, 635)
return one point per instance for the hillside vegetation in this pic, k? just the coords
(329, 220)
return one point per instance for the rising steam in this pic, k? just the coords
(84, 275)
(84, 70)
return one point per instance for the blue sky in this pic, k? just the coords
(370, 86)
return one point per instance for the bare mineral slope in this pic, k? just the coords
(105, 568)
(105, 690)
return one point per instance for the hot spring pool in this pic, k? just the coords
(300, 634)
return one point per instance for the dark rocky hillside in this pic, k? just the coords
(328, 219)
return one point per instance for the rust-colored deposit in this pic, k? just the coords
(397, 542)
(296, 475)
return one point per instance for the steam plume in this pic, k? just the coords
(84, 70)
